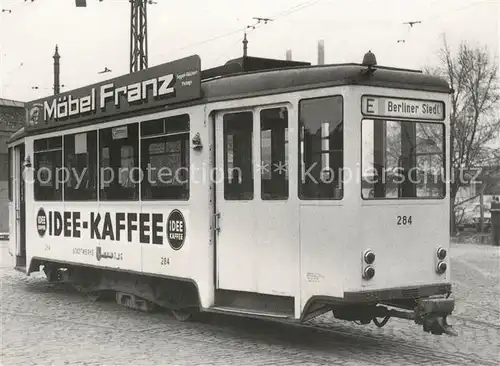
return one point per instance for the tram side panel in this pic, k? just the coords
(181, 246)
(326, 213)
(85, 233)
(322, 242)
(169, 238)
(47, 236)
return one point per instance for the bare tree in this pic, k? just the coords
(474, 113)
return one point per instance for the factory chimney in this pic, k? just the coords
(321, 52)
(57, 85)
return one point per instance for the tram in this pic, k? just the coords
(261, 188)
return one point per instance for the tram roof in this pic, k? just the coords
(253, 76)
(242, 83)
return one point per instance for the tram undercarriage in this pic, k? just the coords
(146, 293)
(431, 313)
(137, 292)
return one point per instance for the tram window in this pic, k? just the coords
(165, 158)
(80, 162)
(118, 163)
(48, 169)
(274, 153)
(238, 172)
(402, 159)
(321, 148)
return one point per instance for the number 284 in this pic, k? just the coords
(404, 220)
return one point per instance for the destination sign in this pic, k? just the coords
(402, 108)
(161, 85)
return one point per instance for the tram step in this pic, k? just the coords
(225, 310)
(254, 303)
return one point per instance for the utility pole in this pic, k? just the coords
(57, 85)
(138, 35)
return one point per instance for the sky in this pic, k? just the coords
(98, 36)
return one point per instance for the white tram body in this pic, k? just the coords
(241, 226)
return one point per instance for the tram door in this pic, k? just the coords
(253, 221)
(19, 213)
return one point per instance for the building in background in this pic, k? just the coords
(12, 116)
(480, 185)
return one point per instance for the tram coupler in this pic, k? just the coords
(431, 313)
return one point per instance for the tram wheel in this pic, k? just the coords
(94, 296)
(184, 315)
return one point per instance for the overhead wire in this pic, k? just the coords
(304, 4)
(248, 30)
(287, 12)
(296, 8)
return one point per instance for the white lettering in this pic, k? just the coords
(134, 92)
(145, 85)
(93, 99)
(105, 94)
(123, 90)
(85, 104)
(165, 87)
(49, 111)
(68, 105)
(74, 106)
(79, 177)
(62, 109)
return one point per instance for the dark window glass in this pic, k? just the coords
(321, 148)
(4, 167)
(48, 144)
(274, 153)
(165, 159)
(151, 128)
(80, 161)
(238, 172)
(48, 169)
(118, 162)
(11, 173)
(166, 125)
(402, 160)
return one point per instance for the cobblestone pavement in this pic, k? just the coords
(47, 324)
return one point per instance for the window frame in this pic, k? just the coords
(165, 137)
(36, 185)
(136, 188)
(286, 151)
(225, 184)
(96, 165)
(445, 184)
(300, 196)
